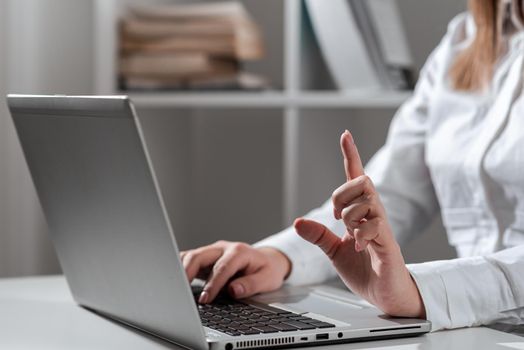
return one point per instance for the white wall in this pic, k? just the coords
(3, 136)
(46, 48)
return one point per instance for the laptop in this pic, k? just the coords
(89, 161)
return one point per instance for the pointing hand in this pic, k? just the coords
(367, 257)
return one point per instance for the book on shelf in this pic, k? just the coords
(185, 43)
(144, 29)
(184, 65)
(238, 81)
(247, 50)
(231, 10)
(363, 43)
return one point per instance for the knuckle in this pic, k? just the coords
(363, 234)
(346, 214)
(250, 286)
(335, 197)
(350, 224)
(239, 247)
(368, 184)
(362, 180)
(190, 257)
(369, 200)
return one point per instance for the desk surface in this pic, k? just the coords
(39, 313)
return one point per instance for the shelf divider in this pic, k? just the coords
(269, 99)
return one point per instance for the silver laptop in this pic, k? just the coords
(89, 161)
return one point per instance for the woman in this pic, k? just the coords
(457, 145)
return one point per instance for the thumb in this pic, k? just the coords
(248, 285)
(319, 235)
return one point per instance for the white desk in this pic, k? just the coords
(39, 313)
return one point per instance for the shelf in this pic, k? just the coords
(357, 99)
(270, 99)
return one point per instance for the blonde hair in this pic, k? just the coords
(473, 67)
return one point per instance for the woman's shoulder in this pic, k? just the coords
(459, 34)
(461, 30)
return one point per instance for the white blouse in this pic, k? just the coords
(461, 154)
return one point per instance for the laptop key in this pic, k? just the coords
(266, 329)
(299, 325)
(268, 308)
(232, 332)
(224, 321)
(302, 318)
(248, 331)
(271, 322)
(287, 313)
(255, 324)
(284, 327)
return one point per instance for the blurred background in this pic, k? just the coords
(237, 159)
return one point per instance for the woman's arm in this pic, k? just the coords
(451, 294)
(473, 291)
(399, 173)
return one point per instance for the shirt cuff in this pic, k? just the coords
(433, 292)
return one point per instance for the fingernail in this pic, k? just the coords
(238, 290)
(203, 297)
(351, 137)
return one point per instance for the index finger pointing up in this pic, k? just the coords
(352, 163)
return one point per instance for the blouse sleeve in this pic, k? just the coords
(473, 291)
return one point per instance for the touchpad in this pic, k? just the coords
(317, 303)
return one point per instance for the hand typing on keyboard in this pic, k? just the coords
(242, 269)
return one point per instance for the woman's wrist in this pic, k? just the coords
(280, 259)
(421, 308)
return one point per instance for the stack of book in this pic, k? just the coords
(189, 46)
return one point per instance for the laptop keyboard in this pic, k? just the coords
(236, 318)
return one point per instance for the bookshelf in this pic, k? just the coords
(288, 65)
